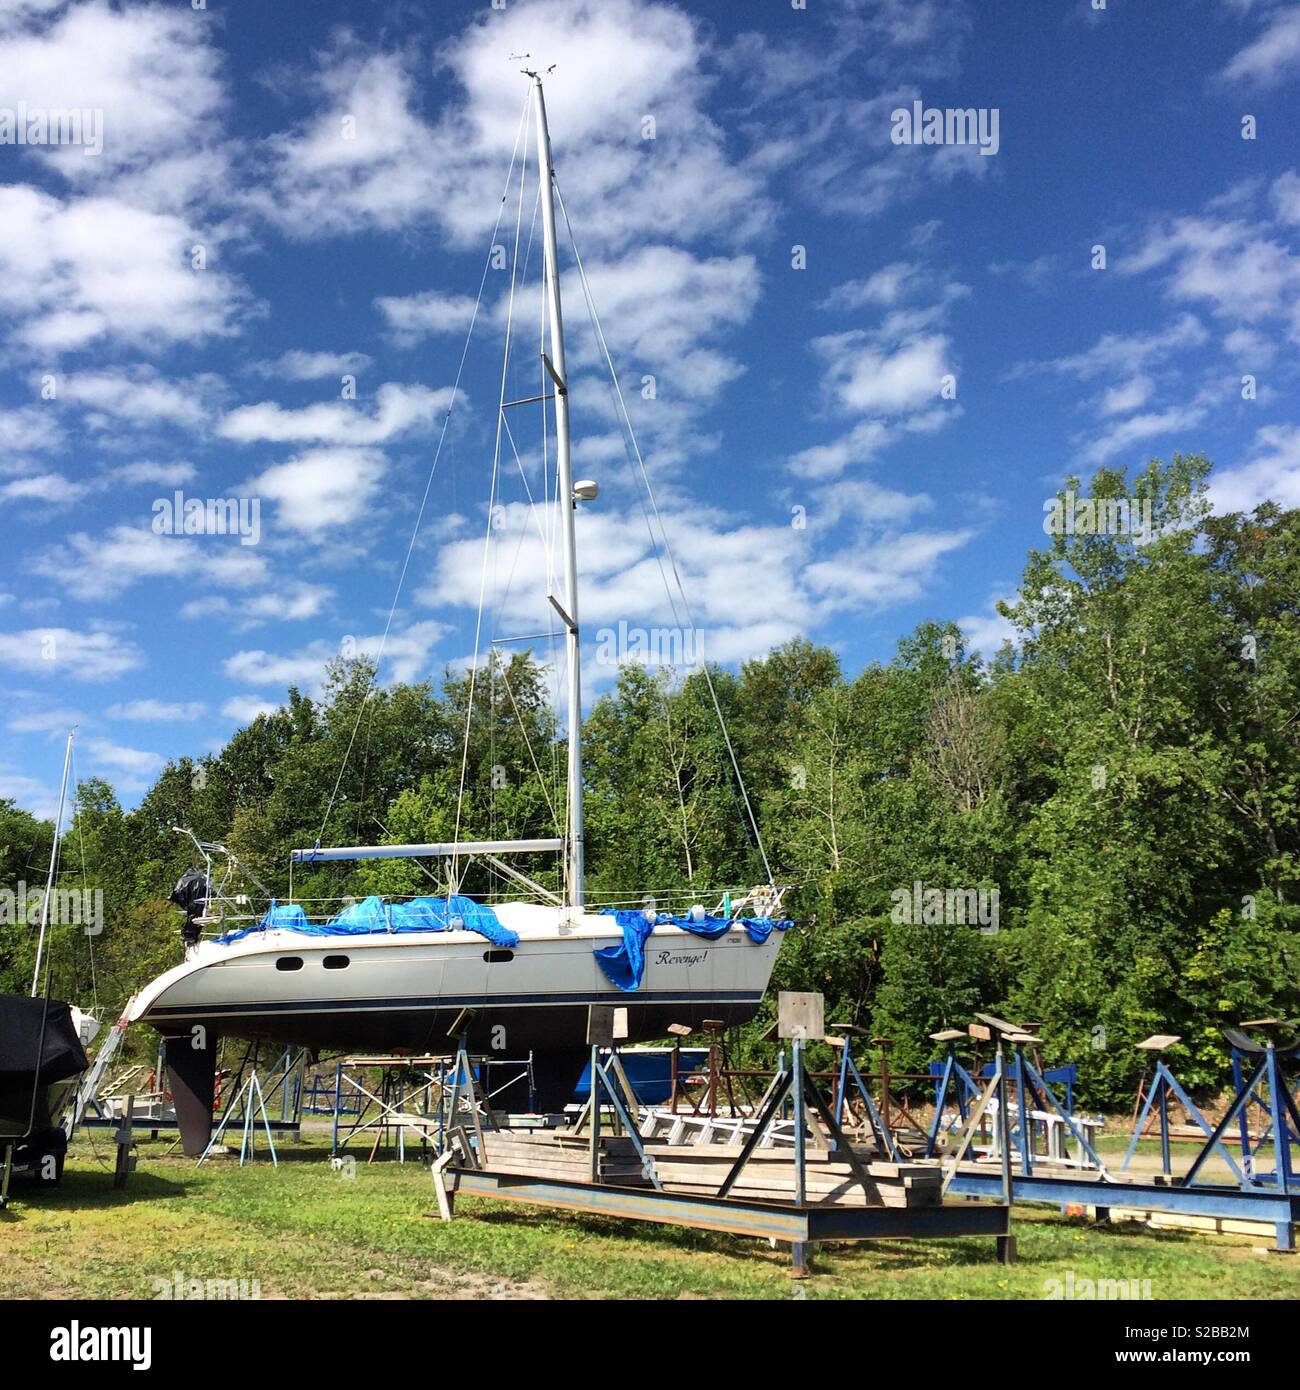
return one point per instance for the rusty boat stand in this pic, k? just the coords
(465, 1168)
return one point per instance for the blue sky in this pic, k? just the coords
(291, 195)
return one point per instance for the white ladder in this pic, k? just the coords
(92, 1077)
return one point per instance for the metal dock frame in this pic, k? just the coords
(799, 1226)
(1221, 1201)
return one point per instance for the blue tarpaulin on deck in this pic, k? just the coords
(373, 916)
(624, 965)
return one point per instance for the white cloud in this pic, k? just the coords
(1272, 56)
(323, 487)
(160, 474)
(1127, 395)
(30, 793)
(1237, 267)
(987, 632)
(245, 708)
(1285, 195)
(1271, 473)
(886, 286)
(804, 582)
(865, 376)
(29, 427)
(98, 567)
(405, 658)
(53, 488)
(141, 396)
(399, 410)
(414, 316)
(1137, 429)
(63, 653)
(1124, 354)
(396, 167)
(149, 69)
(288, 602)
(78, 271)
(45, 721)
(135, 762)
(890, 569)
(157, 711)
(297, 365)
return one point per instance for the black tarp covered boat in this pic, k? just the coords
(40, 1053)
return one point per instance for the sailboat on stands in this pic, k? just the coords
(518, 977)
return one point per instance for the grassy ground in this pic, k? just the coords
(305, 1231)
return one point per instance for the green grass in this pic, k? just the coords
(305, 1231)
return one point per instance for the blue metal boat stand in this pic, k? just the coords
(1165, 1084)
(952, 1076)
(1266, 1198)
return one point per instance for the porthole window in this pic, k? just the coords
(495, 957)
(289, 963)
(336, 962)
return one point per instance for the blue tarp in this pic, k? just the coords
(624, 965)
(373, 916)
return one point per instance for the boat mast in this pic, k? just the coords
(49, 878)
(564, 496)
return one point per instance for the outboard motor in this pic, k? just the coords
(191, 896)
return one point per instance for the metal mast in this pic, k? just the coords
(564, 496)
(49, 878)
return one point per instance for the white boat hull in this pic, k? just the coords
(404, 993)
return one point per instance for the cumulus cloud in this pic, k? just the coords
(395, 164)
(157, 711)
(398, 410)
(64, 653)
(322, 488)
(405, 657)
(83, 270)
(103, 566)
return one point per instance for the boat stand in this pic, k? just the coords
(966, 1091)
(611, 1078)
(1164, 1085)
(848, 1071)
(247, 1100)
(1266, 1088)
(1273, 1198)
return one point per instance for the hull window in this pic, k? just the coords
(495, 957)
(289, 963)
(335, 962)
